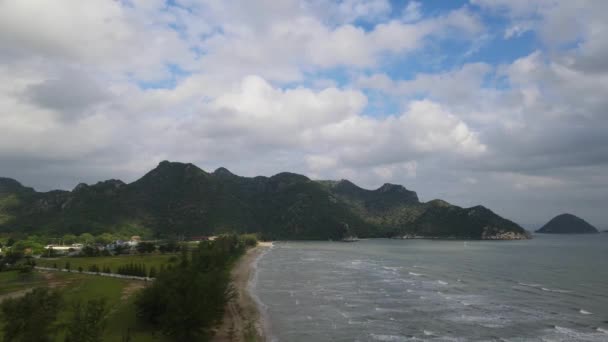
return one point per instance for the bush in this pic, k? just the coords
(30, 318)
(249, 240)
(88, 322)
(145, 247)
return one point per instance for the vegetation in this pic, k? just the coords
(138, 270)
(112, 263)
(187, 300)
(88, 321)
(175, 200)
(567, 224)
(31, 318)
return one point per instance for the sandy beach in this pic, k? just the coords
(242, 320)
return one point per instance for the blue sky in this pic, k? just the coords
(494, 102)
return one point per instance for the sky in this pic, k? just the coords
(496, 102)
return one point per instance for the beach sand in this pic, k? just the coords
(242, 320)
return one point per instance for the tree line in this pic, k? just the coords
(187, 300)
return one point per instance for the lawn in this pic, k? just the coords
(119, 293)
(113, 262)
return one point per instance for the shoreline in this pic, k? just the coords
(243, 320)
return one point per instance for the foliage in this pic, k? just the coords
(88, 321)
(138, 270)
(89, 251)
(69, 239)
(86, 238)
(186, 301)
(30, 318)
(145, 247)
(105, 238)
(249, 240)
(176, 200)
(170, 246)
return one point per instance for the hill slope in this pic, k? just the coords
(567, 224)
(181, 199)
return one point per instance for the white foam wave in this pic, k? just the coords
(415, 274)
(602, 330)
(585, 312)
(391, 338)
(554, 290)
(442, 282)
(530, 285)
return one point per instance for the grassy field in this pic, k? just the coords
(15, 281)
(75, 287)
(113, 262)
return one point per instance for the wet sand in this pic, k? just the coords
(242, 320)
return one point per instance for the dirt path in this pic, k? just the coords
(242, 321)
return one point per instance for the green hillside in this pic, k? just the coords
(177, 199)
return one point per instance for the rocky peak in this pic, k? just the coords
(397, 191)
(9, 186)
(223, 172)
(80, 187)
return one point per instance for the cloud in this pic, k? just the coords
(70, 95)
(367, 90)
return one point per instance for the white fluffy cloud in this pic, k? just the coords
(98, 89)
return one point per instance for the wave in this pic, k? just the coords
(602, 330)
(530, 285)
(585, 312)
(415, 274)
(378, 337)
(442, 282)
(555, 290)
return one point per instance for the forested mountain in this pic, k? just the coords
(567, 224)
(177, 199)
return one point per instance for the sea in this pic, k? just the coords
(550, 288)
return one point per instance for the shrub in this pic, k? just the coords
(31, 317)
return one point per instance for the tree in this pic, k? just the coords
(88, 322)
(69, 239)
(67, 266)
(31, 317)
(104, 238)
(89, 251)
(186, 301)
(86, 238)
(120, 249)
(145, 247)
(152, 273)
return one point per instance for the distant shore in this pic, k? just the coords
(242, 320)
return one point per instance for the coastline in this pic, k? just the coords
(242, 320)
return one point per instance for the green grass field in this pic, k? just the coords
(119, 293)
(15, 281)
(113, 262)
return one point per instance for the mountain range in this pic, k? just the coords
(178, 199)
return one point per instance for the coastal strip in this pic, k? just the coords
(242, 319)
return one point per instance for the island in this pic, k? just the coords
(567, 224)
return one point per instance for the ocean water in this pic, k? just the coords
(551, 288)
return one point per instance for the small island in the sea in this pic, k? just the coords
(567, 224)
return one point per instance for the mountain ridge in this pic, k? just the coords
(182, 199)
